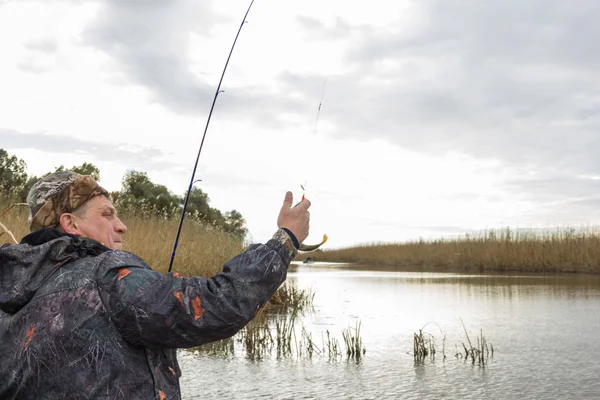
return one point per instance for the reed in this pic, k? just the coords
(307, 344)
(353, 342)
(290, 296)
(285, 333)
(256, 338)
(480, 353)
(559, 250)
(424, 347)
(220, 348)
(332, 345)
(277, 334)
(13, 220)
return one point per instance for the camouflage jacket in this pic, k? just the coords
(80, 321)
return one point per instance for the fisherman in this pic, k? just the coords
(82, 319)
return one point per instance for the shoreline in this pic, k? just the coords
(367, 265)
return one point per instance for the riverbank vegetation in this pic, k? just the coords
(559, 250)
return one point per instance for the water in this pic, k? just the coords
(544, 330)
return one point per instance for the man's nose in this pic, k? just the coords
(120, 226)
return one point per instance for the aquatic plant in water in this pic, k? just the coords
(424, 347)
(279, 335)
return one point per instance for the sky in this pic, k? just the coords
(437, 118)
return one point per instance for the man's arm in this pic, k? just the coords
(165, 310)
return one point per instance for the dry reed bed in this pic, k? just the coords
(562, 250)
(202, 249)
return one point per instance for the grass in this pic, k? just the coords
(289, 296)
(13, 220)
(559, 250)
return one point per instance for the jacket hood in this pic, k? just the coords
(26, 266)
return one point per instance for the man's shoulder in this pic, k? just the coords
(122, 258)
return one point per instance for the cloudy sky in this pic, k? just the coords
(438, 117)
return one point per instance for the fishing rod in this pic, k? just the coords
(187, 197)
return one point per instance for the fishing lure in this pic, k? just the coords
(306, 247)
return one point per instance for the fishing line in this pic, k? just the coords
(187, 197)
(320, 105)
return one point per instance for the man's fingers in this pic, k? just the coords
(287, 201)
(304, 204)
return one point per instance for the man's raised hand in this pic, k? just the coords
(295, 218)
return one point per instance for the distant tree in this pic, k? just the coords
(24, 190)
(235, 224)
(88, 169)
(198, 205)
(139, 191)
(12, 174)
(139, 194)
(84, 169)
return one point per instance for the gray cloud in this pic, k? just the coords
(509, 80)
(317, 30)
(149, 39)
(138, 157)
(560, 196)
(44, 45)
(39, 56)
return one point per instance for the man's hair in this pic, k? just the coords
(81, 210)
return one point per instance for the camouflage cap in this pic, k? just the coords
(59, 193)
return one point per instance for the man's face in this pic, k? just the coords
(100, 222)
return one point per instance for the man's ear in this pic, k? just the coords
(68, 223)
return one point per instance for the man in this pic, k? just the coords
(82, 319)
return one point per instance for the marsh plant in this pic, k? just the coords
(425, 347)
(289, 296)
(424, 344)
(280, 335)
(480, 353)
(353, 342)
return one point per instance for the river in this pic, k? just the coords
(544, 330)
